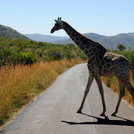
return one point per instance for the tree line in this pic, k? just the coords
(21, 51)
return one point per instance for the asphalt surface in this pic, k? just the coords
(54, 111)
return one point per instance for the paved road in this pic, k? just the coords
(54, 111)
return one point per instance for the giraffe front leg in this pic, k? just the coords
(90, 80)
(99, 82)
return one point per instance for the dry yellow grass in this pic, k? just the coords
(113, 84)
(21, 84)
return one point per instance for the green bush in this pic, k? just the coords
(54, 53)
(27, 58)
(20, 51)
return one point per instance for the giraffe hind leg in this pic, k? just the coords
(130, 89)
(121, 93)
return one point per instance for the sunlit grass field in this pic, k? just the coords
(20, 84)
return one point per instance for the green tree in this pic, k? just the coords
(121, 47)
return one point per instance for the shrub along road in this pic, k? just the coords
(54, 111)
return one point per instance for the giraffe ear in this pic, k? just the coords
(56, 21)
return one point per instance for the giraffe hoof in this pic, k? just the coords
(79, 111)
(103, 114)
(113, 114)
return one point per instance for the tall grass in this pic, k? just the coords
(21, 84)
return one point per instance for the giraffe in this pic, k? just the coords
(101, 62)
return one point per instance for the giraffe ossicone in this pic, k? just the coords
(58, 21)
(101, 62)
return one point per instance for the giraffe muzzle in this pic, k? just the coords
(52, 30)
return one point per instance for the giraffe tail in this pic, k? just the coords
(132, 74)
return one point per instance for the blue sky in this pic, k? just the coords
(107, 17)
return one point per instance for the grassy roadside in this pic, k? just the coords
(21, 84)
(113, 84)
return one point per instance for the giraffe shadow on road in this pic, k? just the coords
(103, 121)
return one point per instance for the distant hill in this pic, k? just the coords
(45, 38)
(11, 33)
(132, 34)
(107, 41)
(92, 36)
(112, 41)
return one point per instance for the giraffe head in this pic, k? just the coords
(58, 25)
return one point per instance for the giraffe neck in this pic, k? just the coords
(74, 35)
(85, 44)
